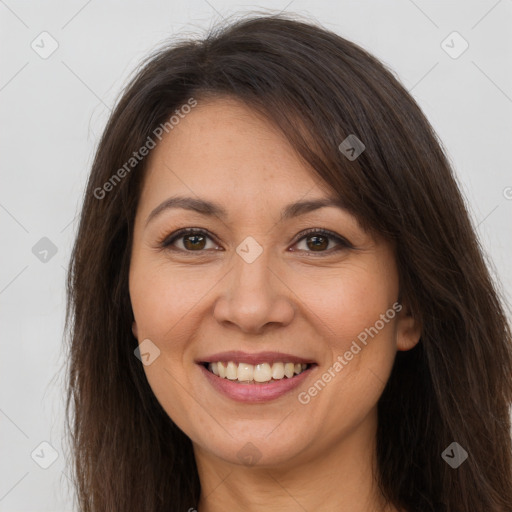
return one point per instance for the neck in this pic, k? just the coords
(340, 477)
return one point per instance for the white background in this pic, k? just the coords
(53, 111)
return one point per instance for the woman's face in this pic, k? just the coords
(255, 293)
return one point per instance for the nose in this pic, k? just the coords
(254, 297)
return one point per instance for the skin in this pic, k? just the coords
(314, 304)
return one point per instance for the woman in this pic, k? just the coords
(276, 298)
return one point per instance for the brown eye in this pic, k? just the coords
(316, 243)
(192, 240)
(318, 240)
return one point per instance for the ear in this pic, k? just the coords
(408, 330)
(134, 329)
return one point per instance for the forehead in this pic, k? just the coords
(223, 148)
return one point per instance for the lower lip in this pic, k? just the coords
(255, 392)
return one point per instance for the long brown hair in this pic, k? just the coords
(318, 88)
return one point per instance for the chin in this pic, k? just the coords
(259, 447)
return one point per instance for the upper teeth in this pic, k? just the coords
(263, 372)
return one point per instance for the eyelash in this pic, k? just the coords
(167, 242)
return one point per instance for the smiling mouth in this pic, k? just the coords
(264, 373)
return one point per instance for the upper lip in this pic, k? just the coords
(238, 356)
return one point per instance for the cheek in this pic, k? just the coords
(163, 298)
(355, 317)
(346, 303)
(168, 305)
(370, 326)
(160, 303)
(163, 303)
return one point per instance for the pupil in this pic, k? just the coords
(194, 244)
(316, 244)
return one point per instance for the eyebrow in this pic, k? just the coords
(211, 208)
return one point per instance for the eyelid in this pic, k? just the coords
(168, 240)
(325, 232)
